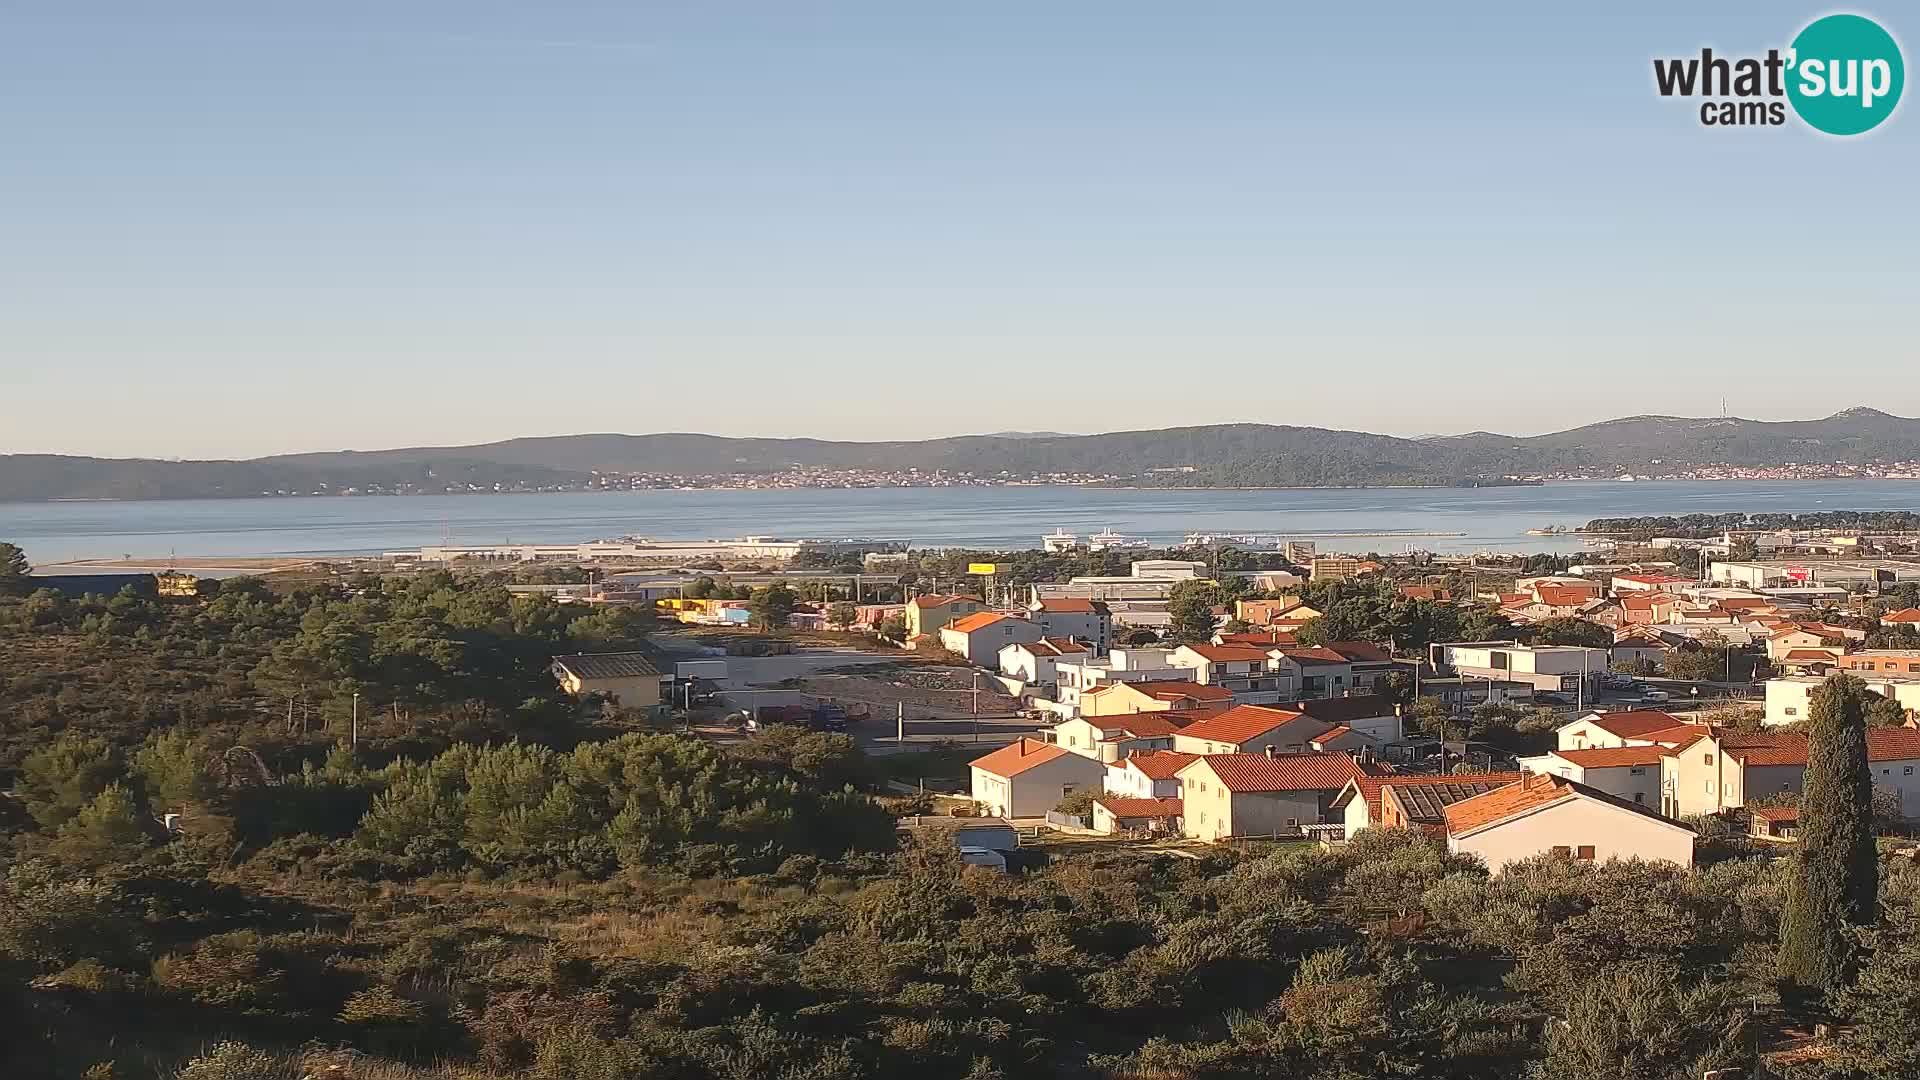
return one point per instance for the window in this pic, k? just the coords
(1791, 711)
(1637, 770)
(1586, 852)
(1203, 817)
(1562, 850)
(1640, 797)
(1709, 787)
(1707, 758)
(1908, 771)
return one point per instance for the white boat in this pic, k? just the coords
(1625, 478)
(1059, 540)
(1107, 539)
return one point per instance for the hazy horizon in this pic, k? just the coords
(231, 230)
(963, 434)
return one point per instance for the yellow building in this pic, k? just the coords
(626, 679)
(929, 614)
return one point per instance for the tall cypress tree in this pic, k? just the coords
(1835, 875)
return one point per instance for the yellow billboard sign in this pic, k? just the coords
(981, 568)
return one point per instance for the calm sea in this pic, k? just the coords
(1491, 519)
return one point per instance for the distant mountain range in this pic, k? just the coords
(1215, 455)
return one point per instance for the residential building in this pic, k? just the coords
(1119, 665)
(1325, 671)
(1228, 795)
(1147, 774)
(1245, 670)
(1790, 697)
(1035, 661)
(628, 680)
(1263, 638)
(1368, 664)
(926, 615)
(1376, 717)
(1647, 644)
(1556, 668)
(1087, 621)
(1628, 583)
(1905, 617)
(1868, 662)
(1362, 804)
(979, 637)
(1025, 779)
(1544, 813)
(1250, 729)
(1782, 642)
(1647, 608)
(1121, 699)
(1627, 772)
(1722, 770)
(1614, 729)
(1774, 822)
(1438, 594)
(1114, 813)
(1168, 569)
(1114, 738)
(1339, 567)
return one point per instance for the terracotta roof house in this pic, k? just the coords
(626, 679)
(979, 637)
(1543, 814)
(1114, 813)
(1372, 715)
(1250, 729)
(1028, 778)
(1111, 738)
(1723, 769)
(1229, 795)
(1147, 774)
(1436, 593)
(1152, 695)
(1625, 728)
(1774, 822)
(1903, 617)
(927, 614)
(1362, 803)
(1625, 772)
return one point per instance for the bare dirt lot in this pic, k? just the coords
(924, 690)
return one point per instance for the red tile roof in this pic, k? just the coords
(1786, 748)
(1265, 639)
(1364, 652)
(1141, 725)
(1332, 734)
(1904, 615)
(1811, 656)
(1613, 757)
(1635, 723)
(979, 620)
(1319, 655)
(1174, 689)
(1369, 788)
(1340, 710)
(1156, 764)
(1775, 813)
(1244, 722)
(1220, 654)
(1067, 606)
(1241, 773)
(1564, 595)
(1015, 758)
(1140, 808)
(1053, 647)
(1425, 592)
(1535, 791)
(1654, 579)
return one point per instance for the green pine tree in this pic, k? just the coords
(1835, 874)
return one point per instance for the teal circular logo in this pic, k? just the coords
(1845, 74)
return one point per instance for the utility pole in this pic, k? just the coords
(976, 705)
(354, 745)
(900, 729)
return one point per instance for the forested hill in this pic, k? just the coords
(1225, 454)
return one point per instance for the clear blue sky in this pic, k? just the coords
(237, 228)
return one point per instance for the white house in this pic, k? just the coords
(1251, 673)
(1545, 814)
(1632, 728)
(1111, 738)
(1627, 772)
(1089, 621)
(1557, 668)
(1120, 665)
(979, 637)
(1037, 661)
(1147, 774)
(1227, 795)
(1790, 697)
(1719, 770)
(1026, 779)
(1115, 813)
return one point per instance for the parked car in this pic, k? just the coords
(1656, 696)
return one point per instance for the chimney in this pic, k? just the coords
(1271, 752)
